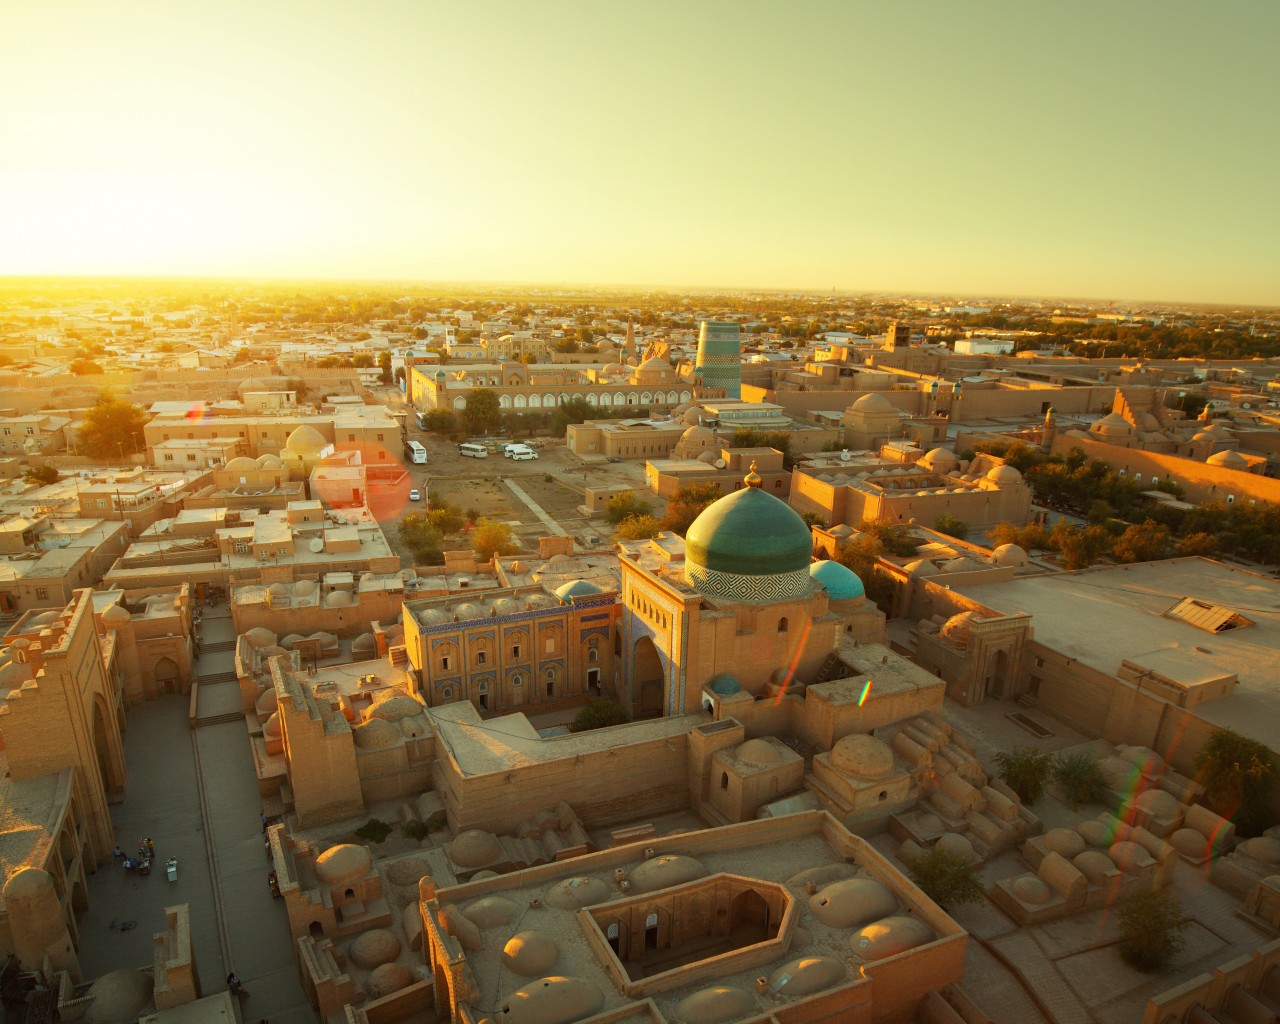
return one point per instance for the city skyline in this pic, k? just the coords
(1087, 151)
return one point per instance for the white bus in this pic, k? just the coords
(475, 451)
(415, 453)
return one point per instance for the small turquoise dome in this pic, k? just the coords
(749, 533)
(576, 588)
(725, 684)
(841, 582)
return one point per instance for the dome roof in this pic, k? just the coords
(306, 440)
(116, 615)
(242, 464)
(1009, 554)
(1095, 865)
(757, 752)
(889, 937)
(715, 1005)
(654, 364)
(1260, 848)
(921, 567)
(530, 954)
(664, 871)
(118, 996)
(272, 726)
(699, 435)
(872, 403)
(957, 845)
(709, 456)
(260, 636)
(387, 979)
(1003, 475)
(749, 533)
(1157, 803)
(267, 701)
(577, 588)
(806, 975)
(408, 871)
(375, 734)
(394, 706)
(492, 912)
(957, 628)
(725, 684)
(270, 461)
(1064, 841)
(578, 892)
(852, 902)
(475, 848)
(553, 1000)
(841, 530)
(841, 582)
(343, 863)
(1228, 460)
(374, 948)
(1112, 425)
(1030, 889)
(942, 460)
(862, 756)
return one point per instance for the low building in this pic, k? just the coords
(39, 434)
(148, 640)
(723, 468)
(43, 561)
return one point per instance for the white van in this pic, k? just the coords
(476, 451)
(524, 455)
(516, 446)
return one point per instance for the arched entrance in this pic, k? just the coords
(166, 673)
(998, 676)
(749, 915)
(650, 680)
(107, 753)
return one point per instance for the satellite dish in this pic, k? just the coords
(844, 455)
(316, 544)
(720, 463)
(1245, 405)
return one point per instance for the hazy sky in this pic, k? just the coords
(1116, 149)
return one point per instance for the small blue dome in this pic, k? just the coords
(576, 588)
(841, 582)
(725, 684)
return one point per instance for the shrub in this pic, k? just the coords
(945, 878)
(638, 528)
(1150, 927)
(1026, 771)
(624, 506)
(598, 715)
(414, 829)
(951, 526)
(1236, 773)
(1080, 777)
(374, 831)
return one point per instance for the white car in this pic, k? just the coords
(510, 451)
(415, 495)
(523, 456)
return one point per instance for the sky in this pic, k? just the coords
(1114, 149)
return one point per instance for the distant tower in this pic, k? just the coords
(719, 362)
(898, 334)
(1049, 431)
(629, 346)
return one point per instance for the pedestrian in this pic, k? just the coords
(264, 823)
(117, 854)
(236, 987)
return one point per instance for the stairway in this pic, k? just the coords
(220, 645)
(228, 676)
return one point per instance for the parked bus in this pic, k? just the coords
(475, 451)
(415, 453)
(422, 420)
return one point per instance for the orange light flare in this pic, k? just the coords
(795, 660)
(387, 481)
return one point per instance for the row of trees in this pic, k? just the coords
(423, 533)
(484, 415)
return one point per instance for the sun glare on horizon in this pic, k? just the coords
(1079, 151)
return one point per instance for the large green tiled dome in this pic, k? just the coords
(749, 533)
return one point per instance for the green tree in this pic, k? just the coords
(1026, 771)
(1145, 542)
(84, 367)
(638, 528)
(490, 537)
(482, 411)
(440, 421)
(687, 504)
(599, 714)
(575, 410)
(624, 506)
(112, 427)
(859, 555)
(384, 364)
(945, 878)
(1079, 548)
(422, 538)
(812, 519)
(41, 475)
(1203, 544)
(1151, 923)
(1237, 774)
(951, 526)
(1080, 776)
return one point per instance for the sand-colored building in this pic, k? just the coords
(44, 559)
(722, 467)
(913, 486)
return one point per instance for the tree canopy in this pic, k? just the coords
(111, 428)
(482, 410)
(687, 504)
(490, 537)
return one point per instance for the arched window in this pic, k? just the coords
(593, 655)
(483, 691)
(782, 624)
(517, 679)
(724, 780)
(446, 693)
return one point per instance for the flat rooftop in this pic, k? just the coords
(1100, 617)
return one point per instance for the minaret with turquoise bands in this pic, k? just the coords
(719, 362)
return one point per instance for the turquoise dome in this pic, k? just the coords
(725, 684)
(749, 533)
(841, 582)
(576, 588)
